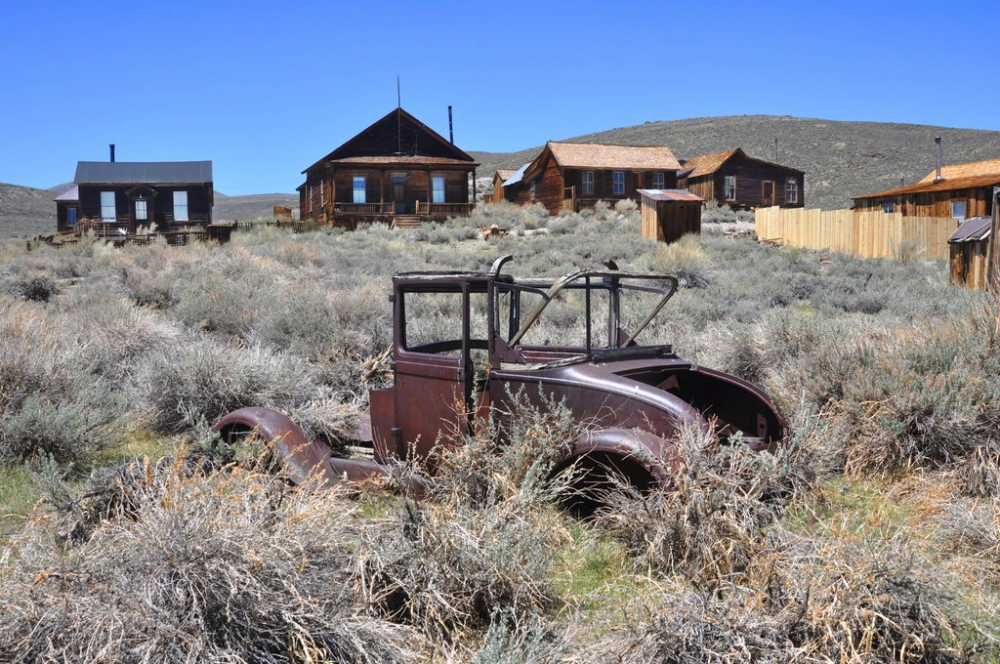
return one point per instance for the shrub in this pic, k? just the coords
(626, 205)
(37, 287)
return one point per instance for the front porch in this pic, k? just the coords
(351, 214)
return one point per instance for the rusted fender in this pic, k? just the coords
(306, 461)
(654, 455)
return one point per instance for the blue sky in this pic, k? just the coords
(264, 89)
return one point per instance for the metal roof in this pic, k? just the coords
(71, 194)
(670, 195)
(136, 172)
(516, 177)
(973, 230)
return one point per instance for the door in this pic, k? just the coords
(399, 193)
(767, 193)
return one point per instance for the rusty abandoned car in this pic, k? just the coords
(468, 342)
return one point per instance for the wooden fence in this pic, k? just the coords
(863, 234)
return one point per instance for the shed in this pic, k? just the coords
(667, 214)
(501, 176)
(969, 249)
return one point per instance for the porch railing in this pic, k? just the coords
(387, 207)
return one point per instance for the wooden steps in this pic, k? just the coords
(406, 221)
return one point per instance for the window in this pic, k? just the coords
(107, 206)
(437, 189)
(180, 206)
(888, 208)
(322, 194)
(141, 211)
(791, 190)
(730, 188)
(958, 210)
(659, 181)
(618, 182)
(532, 191)
(71, 216)
(588, 182)
(359, 188)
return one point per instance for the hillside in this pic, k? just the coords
(26, 212)
(252, 206)
(840, 159)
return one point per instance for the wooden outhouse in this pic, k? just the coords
(499, 178)
(669, 214)
(969, 251)
(736, 179)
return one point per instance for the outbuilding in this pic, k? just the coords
(969, 250)
(669, 214)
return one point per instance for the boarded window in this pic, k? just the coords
(107, 206)
(618, 182)
(730, 188)
(437, 191)
(791, 190)
(359, 189)
(659, 181)
(180, 206)
(141, 211)
(588, 182)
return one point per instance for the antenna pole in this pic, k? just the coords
(399, 119)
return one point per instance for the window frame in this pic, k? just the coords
(888, 208)
(965, 210)
(181, 193)
(791, 190)
(113, 206)
(587, 185)
(145, 209)
(725, 187)
(659, 180)
(322, 195)
(531, 187)
(618, 183)
(435, 178)
(355, 189)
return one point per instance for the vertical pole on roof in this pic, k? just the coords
(399, 119)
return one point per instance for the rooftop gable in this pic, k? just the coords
(396, 134)
(710, 163)
(597, 155)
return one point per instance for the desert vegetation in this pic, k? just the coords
(130, 533)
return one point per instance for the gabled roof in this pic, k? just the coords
(710, 163)
(503, 174)
(397, 133)
(670, 195)
(973, 230)
(596, 155)
(969, 170)
(133, 172)
(71, 194)
(958, 176)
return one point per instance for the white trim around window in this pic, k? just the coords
(359, 188)
(107, 206)
(729, 188)
(437, 188)
(180, 206)
(791, 190)
(587, 186)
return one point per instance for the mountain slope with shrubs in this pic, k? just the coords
(870, 536)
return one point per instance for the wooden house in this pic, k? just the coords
(396, 168)
(968, 249)
(961, 191)
(124, 196)
(736, 179)
(669, 214)
(573, 176)
(499, 178)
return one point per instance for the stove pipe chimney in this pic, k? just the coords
(937, 150)
(451, 131)
(112, 153)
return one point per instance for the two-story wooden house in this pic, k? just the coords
(736, 179)
(396, 168)
(166, 196)
(573, 176)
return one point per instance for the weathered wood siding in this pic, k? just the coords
(669, 221)
(978, 203)
(162, 204)
(970, 263)
(750, 176)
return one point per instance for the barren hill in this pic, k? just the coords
(26, 212)
(840, 159)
